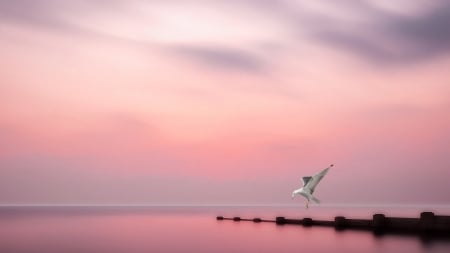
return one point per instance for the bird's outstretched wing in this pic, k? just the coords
(312, 183)
(306, 180)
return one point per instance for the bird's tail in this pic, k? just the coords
(315, 199)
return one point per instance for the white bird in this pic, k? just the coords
(309, 184)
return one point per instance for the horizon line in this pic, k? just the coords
(380, 205)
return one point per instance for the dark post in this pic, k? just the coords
(378, 222)
(280, 220)
(257, 220)
(426, 221)
(307, 222)
(340, 222)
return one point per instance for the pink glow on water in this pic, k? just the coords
(173, 230)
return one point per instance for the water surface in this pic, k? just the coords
(195, 229)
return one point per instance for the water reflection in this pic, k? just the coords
(184, 229)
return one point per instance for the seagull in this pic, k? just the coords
(309, 184)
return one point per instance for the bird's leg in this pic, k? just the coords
(307, 204)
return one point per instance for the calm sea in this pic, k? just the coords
(195, 229)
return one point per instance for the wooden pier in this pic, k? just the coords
(427, 224)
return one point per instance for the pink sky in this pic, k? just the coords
(187, 102)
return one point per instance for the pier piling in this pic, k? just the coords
(428, 223)
(340, 222)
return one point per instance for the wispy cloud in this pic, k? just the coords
(68, 17)
(378, 35)
(224, 58)
(393, 38)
